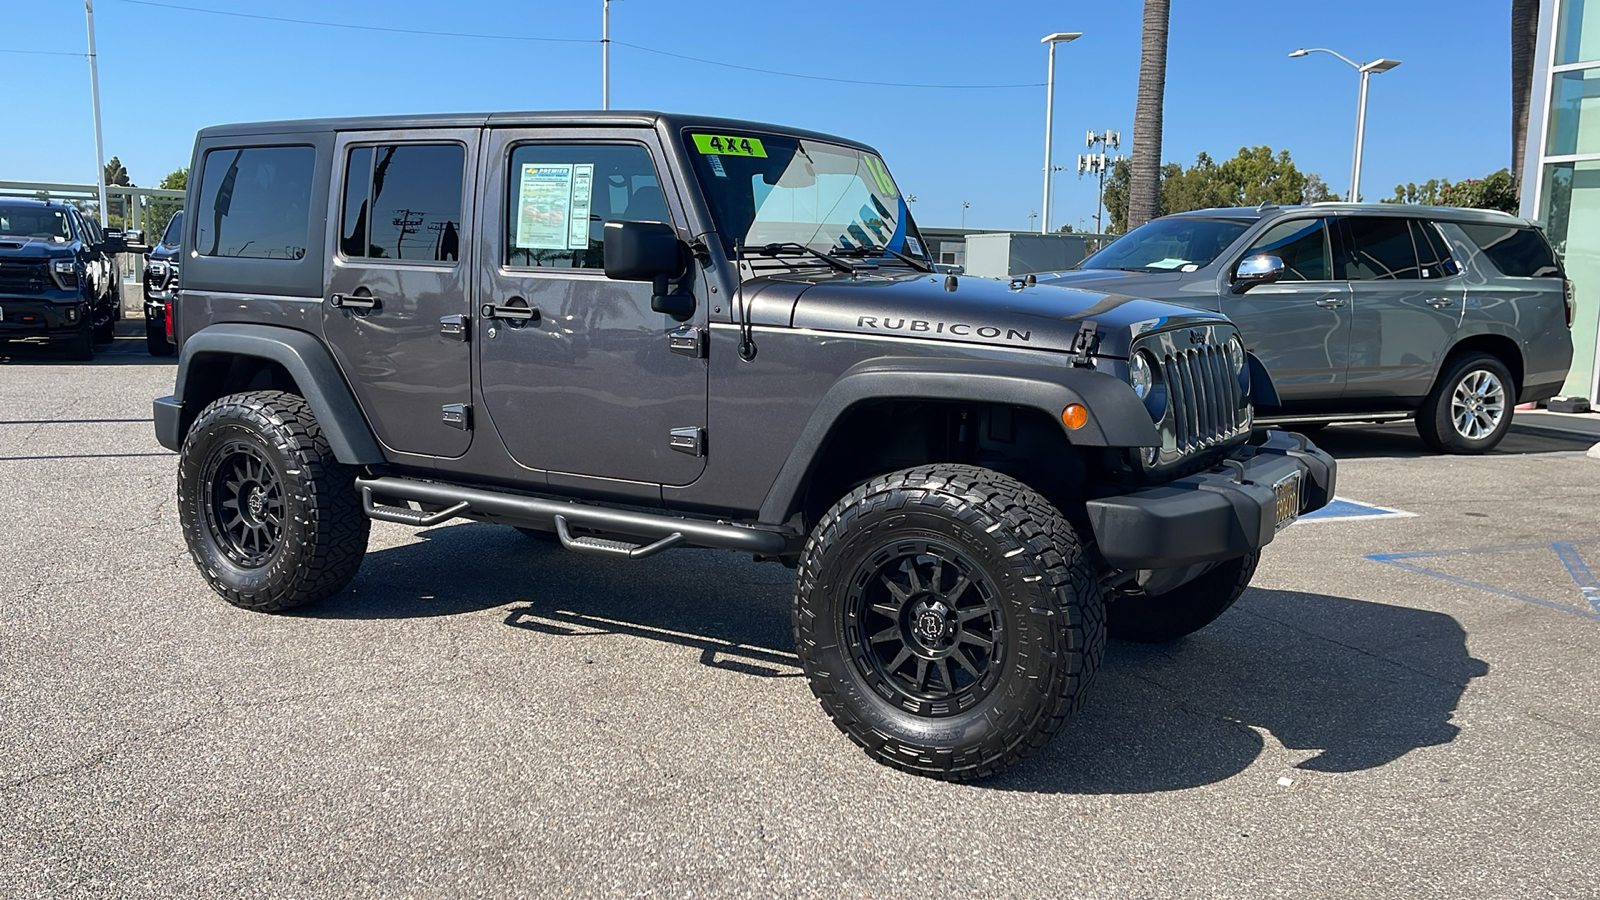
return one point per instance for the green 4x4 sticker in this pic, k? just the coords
(728, 145)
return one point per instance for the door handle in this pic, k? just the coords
(1331, 302)
(354, 301)
(1440, 302)
(517, 314)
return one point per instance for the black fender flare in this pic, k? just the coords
(306, 360)
(1117, 418)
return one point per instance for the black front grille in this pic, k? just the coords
(1207, 403)
(24, 278)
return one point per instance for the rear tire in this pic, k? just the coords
(1182, 610)
(271, 518)
(1469, 410)
(947, 619)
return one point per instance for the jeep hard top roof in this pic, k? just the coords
(1336, 208)
(625, 118)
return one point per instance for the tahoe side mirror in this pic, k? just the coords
(1260, 268)
(650, 251)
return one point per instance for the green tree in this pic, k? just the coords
(1426, 194)
(1255, 176)
(160, 211)
(176, 180)
(1495, 191)
(1144, 188)
(117, 174)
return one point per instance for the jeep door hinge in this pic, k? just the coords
(453, 328)
(457, 415)
(688, 341)
(688, 440)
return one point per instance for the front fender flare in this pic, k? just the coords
(1116, 416)
(306, 360)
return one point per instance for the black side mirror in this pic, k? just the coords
(1260, 268)
(650, 251)
(113, 243)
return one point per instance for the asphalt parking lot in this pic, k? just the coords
(1402, 706)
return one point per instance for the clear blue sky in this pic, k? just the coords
(1444, 113)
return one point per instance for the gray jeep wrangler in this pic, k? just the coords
(630, 332)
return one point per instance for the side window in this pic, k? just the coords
(403, 201)
(1378, 248)
(559, 197)
(1517, 251)
(1302, 244)
(1433, 252)
(255, 202)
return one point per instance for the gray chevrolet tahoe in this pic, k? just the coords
(631, 332)
(1365, 312)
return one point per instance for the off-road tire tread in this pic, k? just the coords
(1053, 549)
(1193, 606)
(332, 540)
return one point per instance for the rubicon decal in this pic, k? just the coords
(959, 329)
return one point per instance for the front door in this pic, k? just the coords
(1408, 297)
(399, 279)
(578, 373)
(1299, 327)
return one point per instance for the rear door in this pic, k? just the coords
(1407, 297)
(399, 283)
(1299, 326)
(579, 376)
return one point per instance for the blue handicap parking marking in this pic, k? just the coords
(1342, 509)
(1583, 602)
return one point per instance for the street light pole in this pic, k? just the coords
(1060, 37)
(605, 55)
(94, 87)
(1367, 70)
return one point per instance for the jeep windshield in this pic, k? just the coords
(35, 221)
(796, 198)
(1172, 244)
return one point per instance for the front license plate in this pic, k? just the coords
(1287, 492)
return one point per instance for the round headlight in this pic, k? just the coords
(1141, 375)
(1236, 354)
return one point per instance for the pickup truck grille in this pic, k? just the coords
(1207, 402)
(24, 278)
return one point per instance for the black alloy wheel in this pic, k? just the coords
(244, 504)
(928, 624)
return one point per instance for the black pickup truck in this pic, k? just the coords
(58, 278)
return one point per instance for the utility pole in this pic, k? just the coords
(407, 221)
(964, 205)
(1060, 37)
(94, 87)
(605, 55)
(1100, 164)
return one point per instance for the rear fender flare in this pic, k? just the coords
(314, 372)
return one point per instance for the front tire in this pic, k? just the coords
(1183, 610)
(1469, 410)
(272, 519)
(947, 619)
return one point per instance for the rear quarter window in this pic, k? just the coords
(255, 203)
(1516, 250)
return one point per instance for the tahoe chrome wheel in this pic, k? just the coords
(1478, 404)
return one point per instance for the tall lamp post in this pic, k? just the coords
(94, 87)
(1060, 37)
(1367, 70)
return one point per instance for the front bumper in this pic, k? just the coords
(1216, 515)
(34, 319)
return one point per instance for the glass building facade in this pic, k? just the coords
(1561, 172)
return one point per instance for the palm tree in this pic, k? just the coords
(1144, 190)
(1524, 35)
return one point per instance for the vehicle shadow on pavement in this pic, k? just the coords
(1343, 684)
(124, 352)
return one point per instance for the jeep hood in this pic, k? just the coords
(977, 311)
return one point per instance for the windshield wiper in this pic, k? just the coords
(865, 249)
(790, 248)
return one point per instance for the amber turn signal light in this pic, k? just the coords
(1075, 416)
